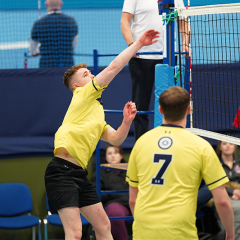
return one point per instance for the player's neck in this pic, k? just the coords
(182, 123)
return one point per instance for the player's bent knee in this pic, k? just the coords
(103, 228)
(74, 234)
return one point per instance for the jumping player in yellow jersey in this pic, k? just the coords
(165, 169)
(68, 189)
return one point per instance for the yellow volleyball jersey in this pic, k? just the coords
(83, 123)
(167, 165)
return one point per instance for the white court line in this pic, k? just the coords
(14, 45)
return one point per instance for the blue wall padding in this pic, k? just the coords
(164, 78)
(33, 110)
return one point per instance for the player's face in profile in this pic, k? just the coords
(113, 155)
(227, 148)
(83, 76)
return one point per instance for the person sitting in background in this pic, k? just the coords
(115, 204)
(58, 35)
(231, 165)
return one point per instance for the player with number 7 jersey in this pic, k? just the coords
(165, 170)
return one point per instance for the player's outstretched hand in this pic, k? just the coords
(148, 37)
(129, 112)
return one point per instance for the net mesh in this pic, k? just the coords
(98, 27)
(214, 72)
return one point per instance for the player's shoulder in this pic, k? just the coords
(180, 133)
(67, 17)
(199, 142)
(43, 20)
(196, 137)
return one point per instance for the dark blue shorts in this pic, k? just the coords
(67, 185)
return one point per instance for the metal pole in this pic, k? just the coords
(39, 8)
(170, 48)
(179, 55)
(98, 182)
(25, 61)
(95, 62)
(172, 38)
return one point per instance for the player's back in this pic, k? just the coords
(169, 163)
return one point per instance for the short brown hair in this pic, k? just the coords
(69, 73)
(174, 102)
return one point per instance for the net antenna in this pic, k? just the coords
(214, 70)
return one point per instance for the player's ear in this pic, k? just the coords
(74, 85)
(188, 109)
(160, 109)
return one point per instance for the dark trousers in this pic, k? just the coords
(143, 75)
(118, 227)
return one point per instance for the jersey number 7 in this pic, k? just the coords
(166, 159)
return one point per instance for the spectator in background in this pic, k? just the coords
(165, 169)
(231, 165)
(58, 35)
(115, 204)
(145, 15)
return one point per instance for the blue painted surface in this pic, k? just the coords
(73, 4)
(67, 4)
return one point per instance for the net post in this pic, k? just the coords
(95, 62)
(25, 61)
(39, 8)
(167, 9)
(179, 53)
(98, 181)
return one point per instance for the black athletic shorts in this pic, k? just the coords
(67, 186)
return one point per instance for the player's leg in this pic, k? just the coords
(63, 191)
(72, 225)
(96, 215)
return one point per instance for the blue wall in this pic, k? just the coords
(73, 4)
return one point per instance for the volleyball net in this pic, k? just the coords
(214, 70)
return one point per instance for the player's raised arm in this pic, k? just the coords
(106, 76)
